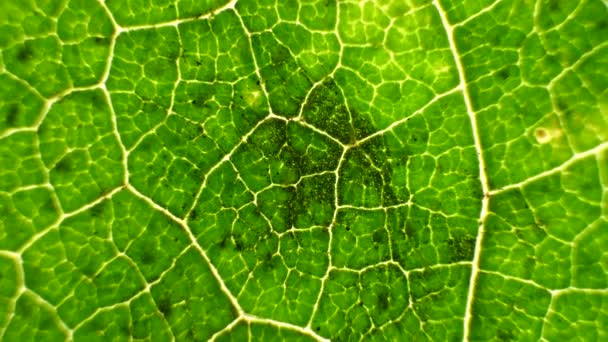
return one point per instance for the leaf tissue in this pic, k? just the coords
(268, 170)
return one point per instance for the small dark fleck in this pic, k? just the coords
(164, 306)
(101, 40)
(561, 105)
(503, 74)
(193, 215)
(147, 257)
(24, 54)
(554, 5)
(64, 165)
(13, 113)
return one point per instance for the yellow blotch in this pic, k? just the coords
(545, 135)
(253, 97)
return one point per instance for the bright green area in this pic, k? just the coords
(304, 169)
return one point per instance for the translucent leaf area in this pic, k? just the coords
(269, 170)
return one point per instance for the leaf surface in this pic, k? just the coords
(179, 170)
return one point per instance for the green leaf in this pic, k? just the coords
(340, 170)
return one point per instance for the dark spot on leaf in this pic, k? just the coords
(125, 329)
(164, 306)
(397, 257)
(409, 231)
(89, 270)
(64, 165)
(101, 40)
(198, 173)
(191, 335)
(504, 74)
(378, 236)
(389, 196)
(554, 5)
(461, 248)
(268, 258)
(98, 99)
(13, 112)
(25, 54)
(383, 302)
(148, 257)
(505, 335)
(193, 215)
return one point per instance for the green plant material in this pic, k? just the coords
(400, 170)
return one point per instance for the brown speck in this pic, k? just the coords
(542, 135)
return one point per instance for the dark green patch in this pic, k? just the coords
(64, 165)
(101, 40)
(191, 335)
(193, 215)
(561, 105)
(504, 73)
(12, 114)
(148, 257)
(97, 210)
(379, 236)
(200, 100)
(98, 99)
(326, 110)
(383, 301)
(315, 192)
(164, 306)
(461, 248)
(601, 25)
(554, 5)
(362, 125)
(410, 233)
(125, 329)
(25, 54)
(505, 335)
(222, 244)
(89, 270)
(270, 137)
